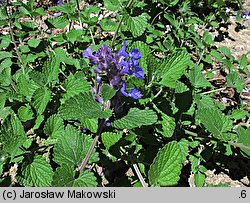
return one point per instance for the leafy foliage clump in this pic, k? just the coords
(85, 97)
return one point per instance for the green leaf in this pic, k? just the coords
(197, 78)
(38, 77)
(90, 124)
(74, 86)
(51, 69)
(38, 121)
(107, 24)
(136, 24)
(180, 87)
(34, 42)
(75, 35)
(216, 55)
(65, 177)
(215, 122)
(136, 118)
(199, 179)
(41, 99)
(54, 127)
(207, 38)
(5, 72)
(5, 41)
(112, 5)
(2, 99)
(173, 67)
(184, 144)
(26, 86)
(238, 114)
(5, 54)
(194, 160)
(204, 101)
(82, 106)
(73, 147)
(38, 173)
(170, 2)
(168, 125)
(3, 158)
(12, 135)
(25, 113)
(109, 138)
(235, 81)
(59, 22)
(244, 139)
(107, 92)
(243, 61)
(5, 112)
(166, 167)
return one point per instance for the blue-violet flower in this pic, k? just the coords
(116, 65)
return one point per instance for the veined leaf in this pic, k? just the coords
(39, 173)
(34, 42)
(136, 25)
(51, 69)
(136, 118)
(41, 99)
(5, 54)
(90, 124)
(197, 78)
(74, 86)
(73, 147)
(25, 113)
(244, 138)
(65, 177)
(107, 24)
(54, 126)
(26, 86)
(12, 135)
(59, 22)
(235, 81)
(82, 106)
(215, 122)
(173, 67)
(107, 92)
(166, 167)
(5, 72)
(109, 138)
(2, 99)
(167, 124)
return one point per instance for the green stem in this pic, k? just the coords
(138, 173)
(92, 147)
(14, 41)
(212, 91)
(119, 25)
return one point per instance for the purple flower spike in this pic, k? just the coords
(98, 98)
(134, 93)
(135, 54)
(59, 2)
(88, 54)
(138, 72)
(126, 69)
(114, 66)
(107, 122)
(98, 78)
(123, 90)
(245, 13)
(84, 130)
(123, 52)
